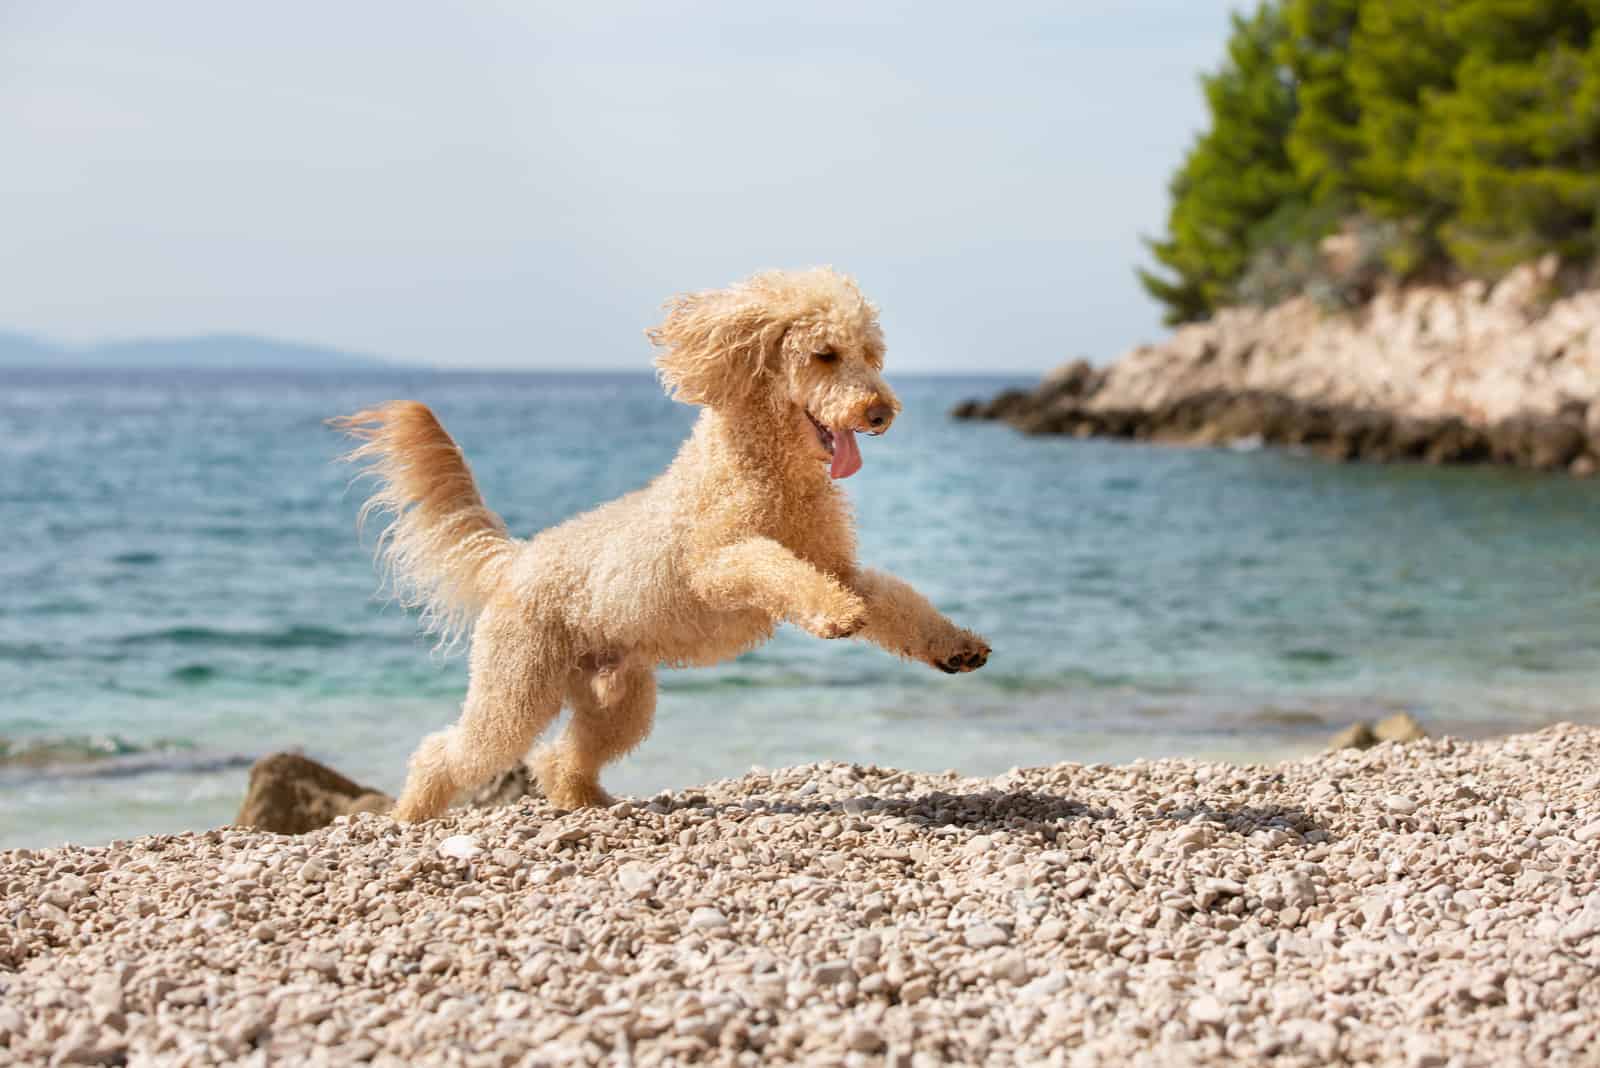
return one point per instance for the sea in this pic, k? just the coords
(182, 591)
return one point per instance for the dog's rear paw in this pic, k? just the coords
(970, 654)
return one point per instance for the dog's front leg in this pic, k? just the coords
(760, 573)
(902, 621)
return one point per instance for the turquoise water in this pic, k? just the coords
(182, 590)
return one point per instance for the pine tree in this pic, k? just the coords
(1236, 176)
(1325, 141)
(1514, 148)
(1446, 135)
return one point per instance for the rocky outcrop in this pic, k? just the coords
(1464, 374)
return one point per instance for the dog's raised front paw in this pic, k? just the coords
(841, 621)
(969, 653)
(836, 628)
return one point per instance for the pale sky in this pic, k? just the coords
(481, 184)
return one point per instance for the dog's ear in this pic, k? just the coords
(715, 348)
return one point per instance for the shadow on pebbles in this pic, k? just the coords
(1433, 904)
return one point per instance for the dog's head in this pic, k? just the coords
(802, 345)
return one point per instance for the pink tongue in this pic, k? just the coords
(846, 457)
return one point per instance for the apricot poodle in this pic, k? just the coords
(743, 531)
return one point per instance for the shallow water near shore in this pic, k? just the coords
(183, 591)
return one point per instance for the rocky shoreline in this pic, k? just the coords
(1439, 375)
(1436, 903)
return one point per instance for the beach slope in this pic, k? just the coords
(1431, 904)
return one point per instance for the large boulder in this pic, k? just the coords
(293, 794)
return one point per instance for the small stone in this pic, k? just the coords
(1213, 890)
(1299, 891)
(914, 990)
(1399, 804)
(74, 886)
(556, 833)
(1191, 839)
(105, 999)
(1012, 967)
(313, 871)
(1044, 987)
(830, 972)
(1423, 1051)
(863, 1038)
(1206, 1009)
(1588, 833)
(984, 935)
(867, 945)
(706, 918)
(460, 847)
(637, 880)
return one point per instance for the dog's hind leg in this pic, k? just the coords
(612, 711)
(510, 701)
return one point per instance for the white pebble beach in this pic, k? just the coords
(1434, 904)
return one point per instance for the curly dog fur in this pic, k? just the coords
(744, 530)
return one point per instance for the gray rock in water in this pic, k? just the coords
(293, 794)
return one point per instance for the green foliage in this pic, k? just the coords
(1237, 175)
(1438, 136)
(1324, 138)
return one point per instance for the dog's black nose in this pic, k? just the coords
(879, 416)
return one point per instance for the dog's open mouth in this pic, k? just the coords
(840, 444)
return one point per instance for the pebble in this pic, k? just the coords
(863, 1038)
(984, 935)
(706, 918)
(830, 972)
(460, 847)
(637, 880)
(1206, 1009)
(556, 833)
(1399, 804)
(1046, 986)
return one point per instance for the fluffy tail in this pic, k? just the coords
(442, 550)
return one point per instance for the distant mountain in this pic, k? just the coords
(224, 352)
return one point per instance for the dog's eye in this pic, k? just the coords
(826, 356)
